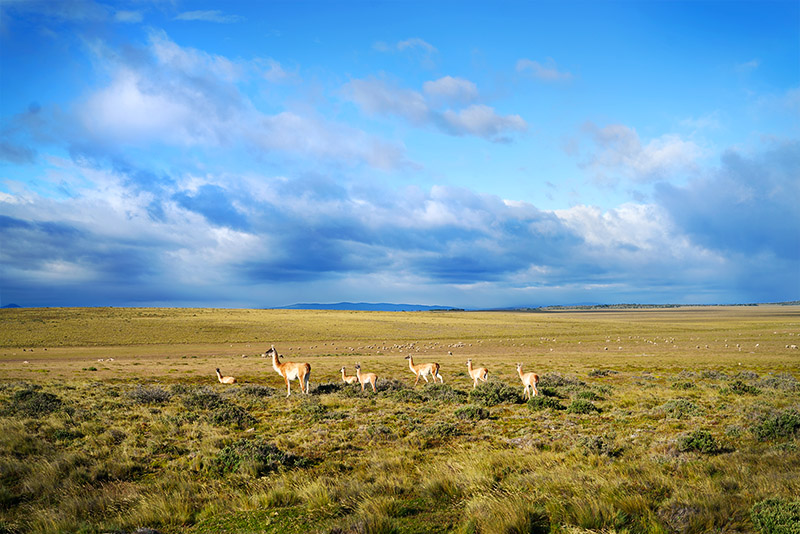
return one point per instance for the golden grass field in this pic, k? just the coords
(663, 420)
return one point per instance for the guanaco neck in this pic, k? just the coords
(219, 376)
(411, 363)
(469, 366)
(275, 363)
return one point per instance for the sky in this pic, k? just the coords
(469, 154)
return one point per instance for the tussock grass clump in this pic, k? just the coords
(582, 406)
(255, 457)
(504, 514)
(31, 402)
(149, 395)
(540, 402)
(784, 424)
(494, 392)
(678, 409)
(472, 412)
(699, 441)
(684, 385)
(776, 516)
(605, 445)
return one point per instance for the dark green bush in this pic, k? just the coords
(34, 403)
(540, 402)
(552, 392)
(256, 391)
(582, 406)
(203, 398)
(255, 457)
(776, 516)
(472, 412)
(741, 388)
(494, 392)
(601, 445)
(588, 395)
(443, 393)
(684, 385)
(597, 373)
(229, 414)
(699, 441)
(150, 395)
(558, 380)
(784, 424)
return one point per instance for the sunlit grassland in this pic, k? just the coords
(680, 420)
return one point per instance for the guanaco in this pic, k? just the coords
(290, 371)
(225, 379)
(363, 378)
(348, 379)
(424, 369)
(529, 380)
(481, 373)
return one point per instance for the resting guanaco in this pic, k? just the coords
(290, 371)
(225, 379)
(348, 379)
(529, 380)
(363, 378)
(424, 369)
(481, 373)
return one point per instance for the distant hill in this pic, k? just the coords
(12, 305)
(364, 306)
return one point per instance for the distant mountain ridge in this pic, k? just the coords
(363, 306)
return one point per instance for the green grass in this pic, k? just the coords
(662, 435)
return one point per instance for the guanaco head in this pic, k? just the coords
(358, 366)
(407, 357)
(469, 362)
(271, 351)
(342, 369)
(519, 366)
(217, 370)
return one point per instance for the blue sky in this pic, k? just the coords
(473, 154)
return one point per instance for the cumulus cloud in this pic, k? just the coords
(547, 72)
(618, 150)
(378, 97)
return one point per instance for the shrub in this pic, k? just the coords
(255, 457)
(601, 445)
(552, 392)
(558, 380)
(783, 381)
(699, 441)
(684, 385)
(256, 390)
(540, 402)
(34, 403)
(597, 373)
(494, 392)
(679, 408)
(776, 516)
(444, 393)
(784, 424)
(582, 406)
(589, 395)
(232, 415)
(741, 388)
(203, 398)
(150, 395)
(472, 412)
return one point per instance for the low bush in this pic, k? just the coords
(699, 441)
(494, 392)
(540, 402)
(601, 445)
(471, 412)
(150, 395)
(776, 516)
(558, 380)
(784, 424)
(255, 457)
(443, 393)
(32, 402)
(256, 391)
(597, 373)
(582, 406)
(203, 398)
(229, 414)
(684, 385)
(742, 388)
(783, 381)
(678, 409)
(588, 395)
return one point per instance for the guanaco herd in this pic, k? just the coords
(302, 373)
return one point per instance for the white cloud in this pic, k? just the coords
(483, 121)
(619, 149)
(548, 71)
(128, 16)
(212, 15)
(451, 90)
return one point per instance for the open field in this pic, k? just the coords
(669, 420)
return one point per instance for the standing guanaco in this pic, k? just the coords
(363, 378)
(424, 369)
(348, 379)
(290, 371)
(481, 373)
(529, 380)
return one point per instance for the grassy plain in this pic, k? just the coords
(668, 420)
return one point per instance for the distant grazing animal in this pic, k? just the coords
(529, 380)
(225, 379)
(424, 369)
(290, 371)
(481, 373)
(348, 379)
(363, 378)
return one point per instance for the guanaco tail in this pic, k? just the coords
(529, 380)
(480, 373)
(290, 371)
(424, 369)
(225, 379)
(363, 378)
